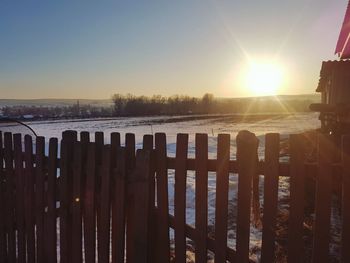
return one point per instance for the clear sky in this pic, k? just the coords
(92, 49)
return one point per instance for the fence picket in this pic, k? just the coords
(39, 198)
(30, 199)
(163, 241)
(115, 145)
(326, 153)
(3, 238)
(180, 197)
(76, 204)
(67, 147)
(117, 200)
(51, 244)
(105, 206)
(297, 188)
(89, 205)
(247, 145)
(19, 178)
(130, 164)
(201, 217)
(271, 171)
(140, 176)
(221, 202)
(345, 250)
(118, 210)
(10, 197)
(148, 145)
(84, 139)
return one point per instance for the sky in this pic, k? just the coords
(93, 49)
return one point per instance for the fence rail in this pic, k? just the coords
(110, 202)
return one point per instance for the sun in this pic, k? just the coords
(263, 78)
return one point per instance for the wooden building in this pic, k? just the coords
(334, 85)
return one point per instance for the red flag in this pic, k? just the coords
(343, 45)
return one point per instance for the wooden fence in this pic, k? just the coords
(110, 203)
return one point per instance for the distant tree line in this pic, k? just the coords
(131, 105)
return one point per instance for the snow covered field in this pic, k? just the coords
(283, 124)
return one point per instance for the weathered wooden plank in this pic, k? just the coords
(76, 234)
(30, 199)
(66, 177)
(163, 242)
(297, 188)
(40, 199)
(247, 145)
(221, 201)
(118, 209)
(140, 176)
(90, 206)
(180, 197)
(326, 153)
(130, 165)
(19, 176)
(345, 250)
(272, 142)
(105, 206)
(10, 197)
(152, 225)
(51, 242)
(3, 238)
(201, 217)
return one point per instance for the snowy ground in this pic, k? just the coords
(285, 125)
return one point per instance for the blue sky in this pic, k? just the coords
(92, 49)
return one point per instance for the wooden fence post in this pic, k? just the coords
(247, 145)
(345, 250)
(297, 188)
(140, 214)
(271, 172)
(221, 202)
(201, 195)
(163, 242)
(326, 153)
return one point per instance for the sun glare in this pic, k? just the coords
(263, 78)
